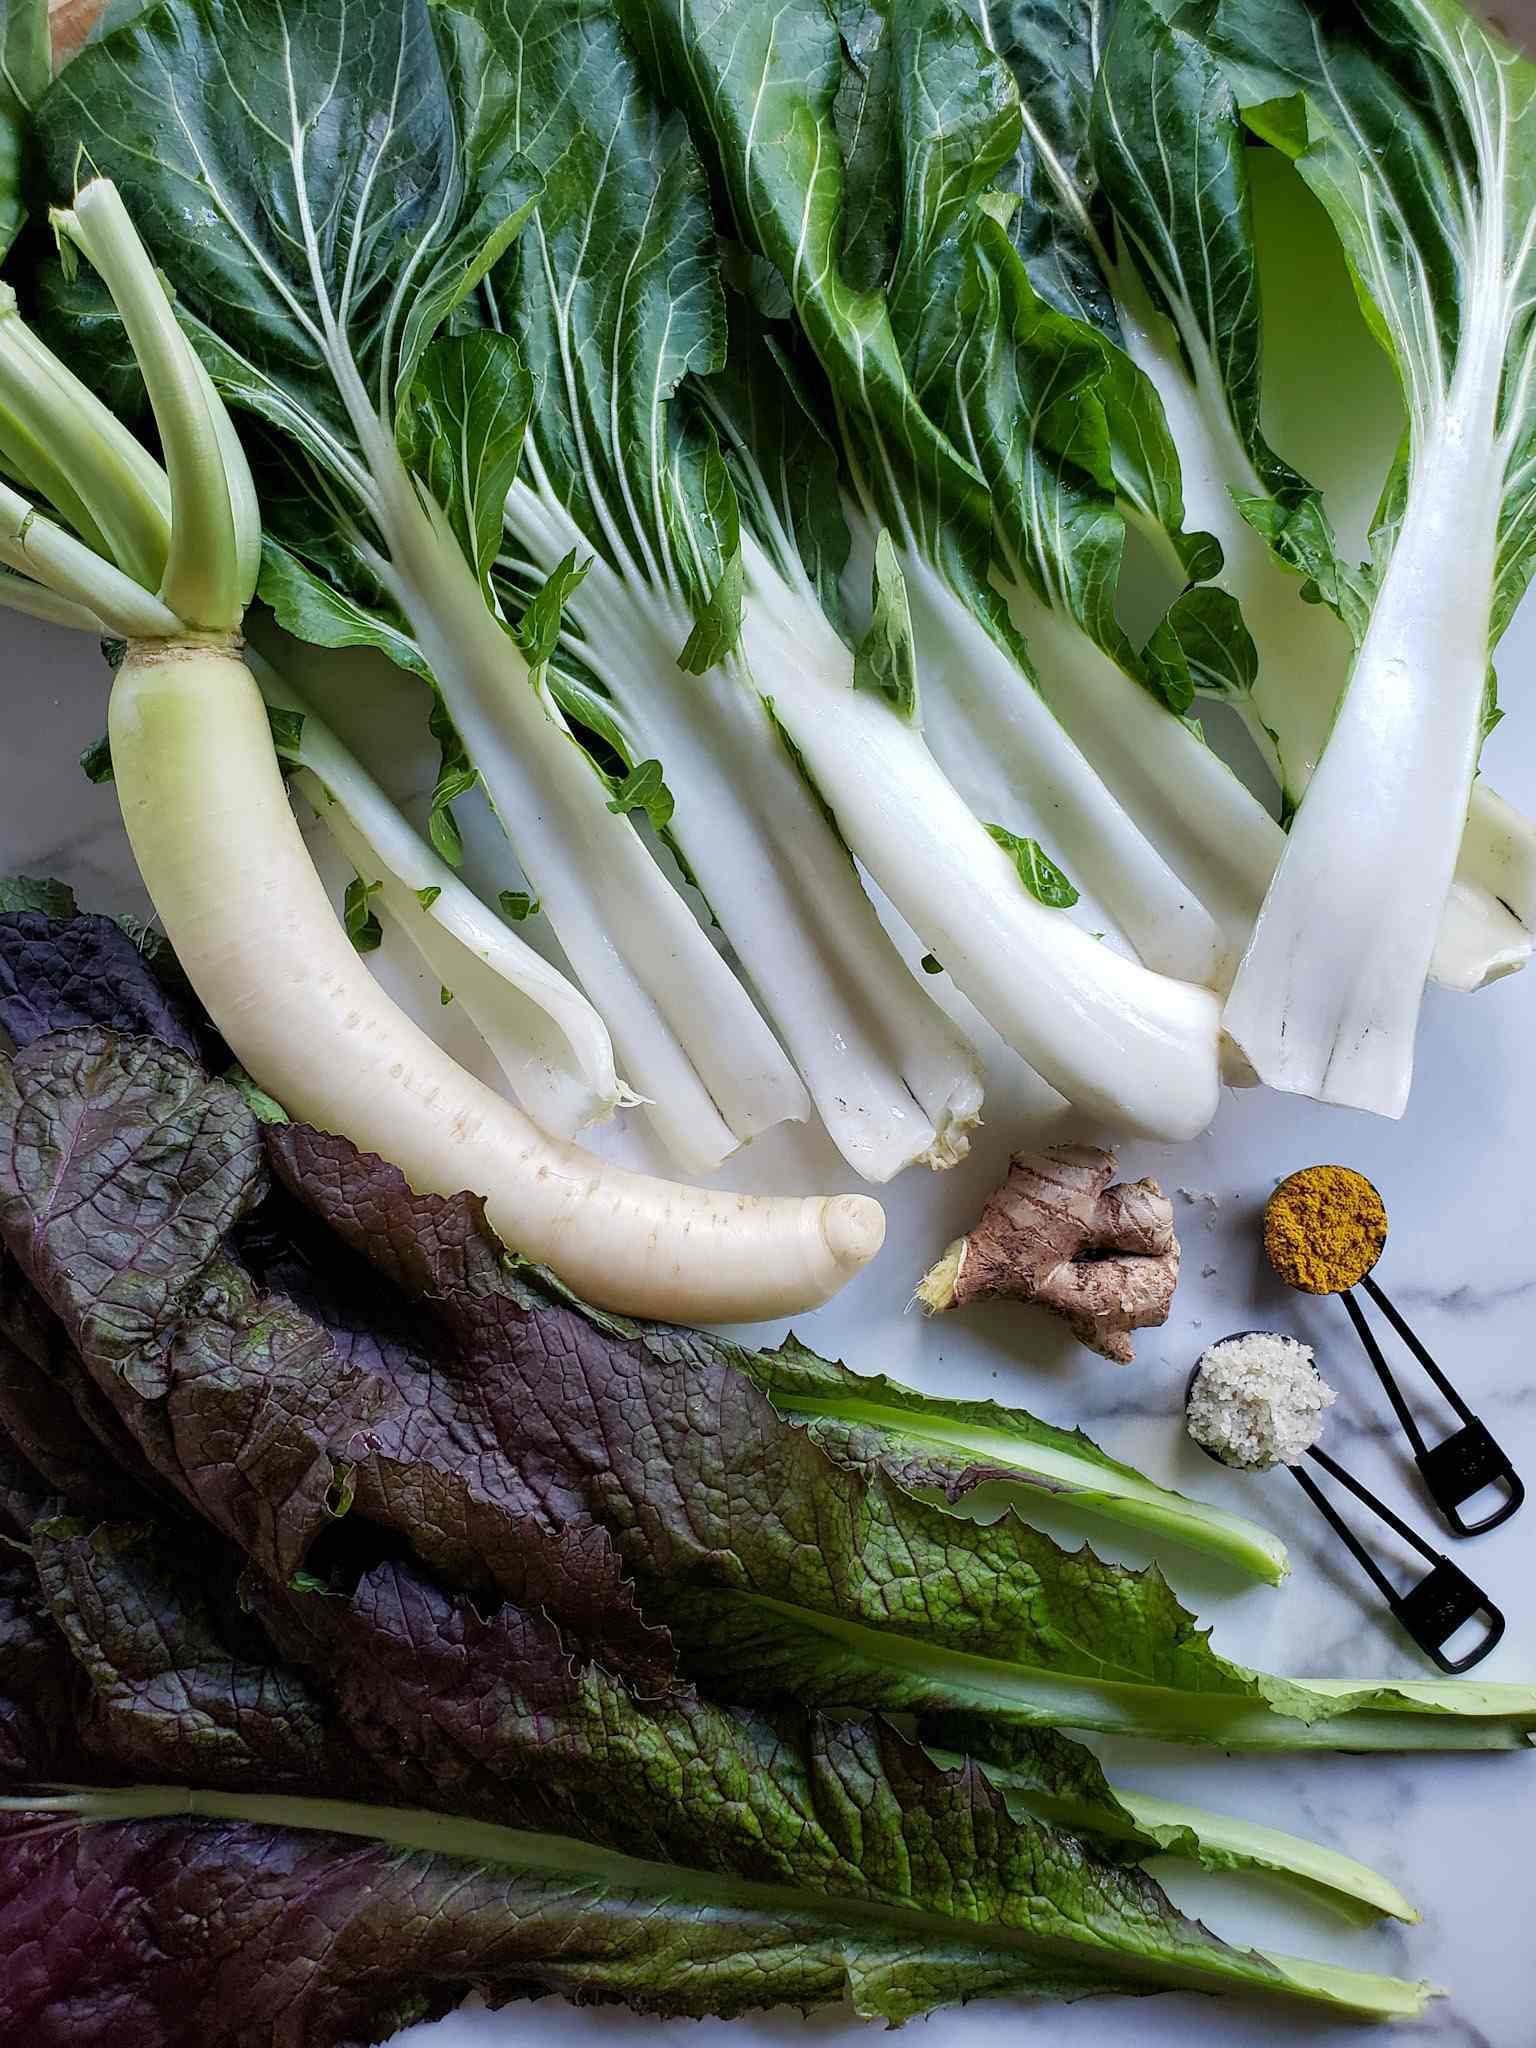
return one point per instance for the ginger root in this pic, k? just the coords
(1056, 1233)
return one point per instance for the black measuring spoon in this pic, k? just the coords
(1460, 1465)
(1435, 1606)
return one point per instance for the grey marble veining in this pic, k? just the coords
(1456, 1833)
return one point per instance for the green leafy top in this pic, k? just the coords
(763, 86)
(1168, 156)
(970, 405)
(29, 892)
(324, 187)
(333, 246)
(663, 438)
(614, 295)
(1416, 132)
(1061, 227)
(1065, 234)
(26, 68)
(468, 414)
(1034, 395)
(767, 409)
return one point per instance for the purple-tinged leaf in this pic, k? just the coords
(60, 974)
(122, 1173)
(181, 1684)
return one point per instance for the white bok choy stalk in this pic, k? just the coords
(1417, 133)
(1117, 1038)
(222, 857)
(1136, 219)
(550, 1044)
(612, 293)
(1037, 401)
(1134, 1047)
(355, 177)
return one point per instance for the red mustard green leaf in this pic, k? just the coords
(58, 974)
(123, 1174)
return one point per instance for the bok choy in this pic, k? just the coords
(1056, 422)
(549, 1042)
(1133, 218)
(1210, 383)
(1126, 1042)
(1415, 130)
(613, 293)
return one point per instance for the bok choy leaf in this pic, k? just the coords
(26, 69)
(1040, 402)
(989, 725)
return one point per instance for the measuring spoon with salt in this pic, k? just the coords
(1251, 1415)
(1325, 1228)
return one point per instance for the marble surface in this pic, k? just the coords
(1457, 1834)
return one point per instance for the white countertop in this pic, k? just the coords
(1456, 1833)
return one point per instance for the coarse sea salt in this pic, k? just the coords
(1257, 1401)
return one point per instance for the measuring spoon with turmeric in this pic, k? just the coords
(1324, 1230)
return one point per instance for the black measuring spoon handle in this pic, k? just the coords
(1460, 1465)
(1436, 1605)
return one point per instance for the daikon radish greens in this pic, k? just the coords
(613, 294)
(165, 559)
(1416, 132)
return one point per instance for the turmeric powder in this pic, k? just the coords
(1324, 1229)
